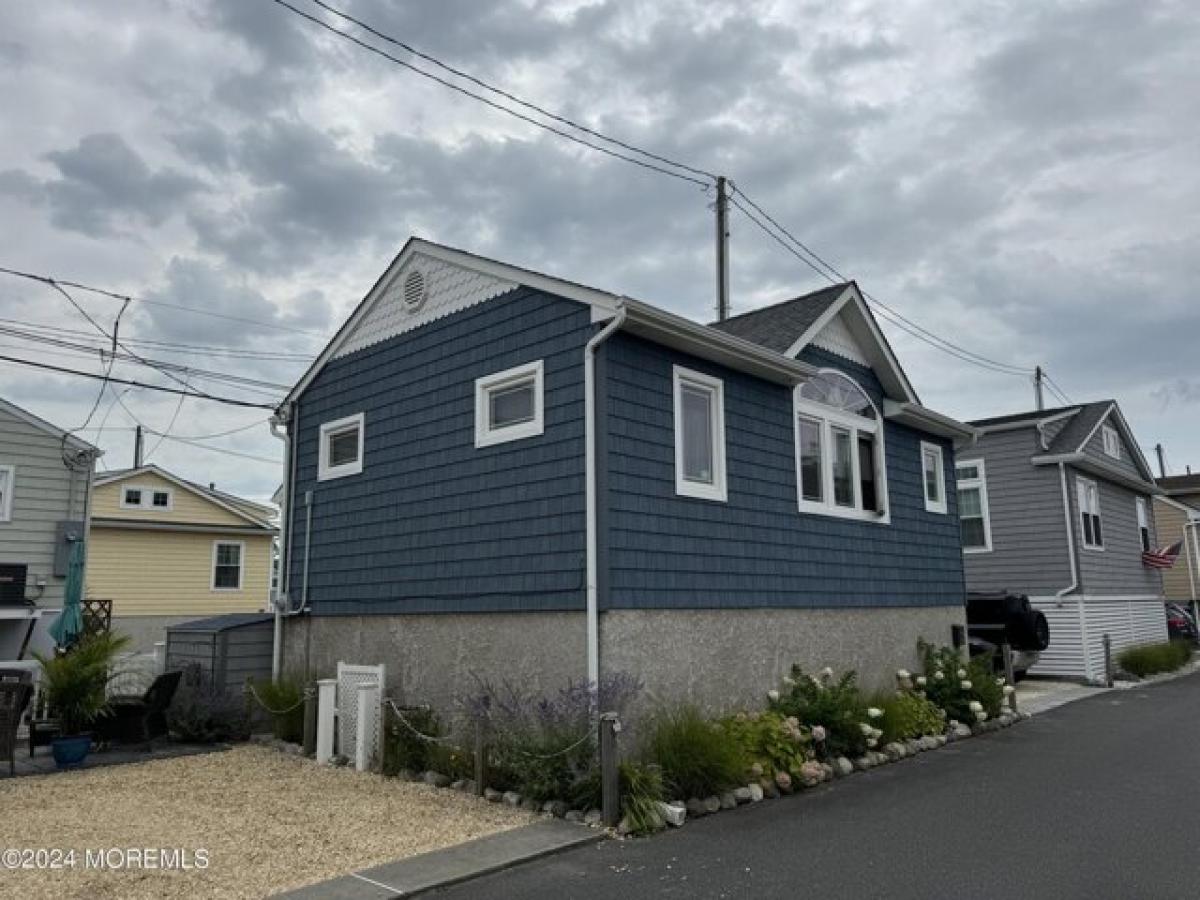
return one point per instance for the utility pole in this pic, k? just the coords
(137, 448)
(1038, 398)
(722, 249)
(1162, 464)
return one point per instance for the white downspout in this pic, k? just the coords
(589, 455)
(284, 511)
(1066, 497)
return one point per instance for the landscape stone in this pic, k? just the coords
(729, 801)
(827, 770)
(695, 808)
(756, 792)
(672, 814)
(783, 781)
(863, 763)
(511, 798)
(594, 817)
(712, 804)
(530, 804)
(492, 795)
(556, 808)
(457, 785)
(437, 779)
(742, 794)
(843, 766)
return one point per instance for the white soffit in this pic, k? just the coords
(837, 338)
(409, 301)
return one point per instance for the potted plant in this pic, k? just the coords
(74, 684)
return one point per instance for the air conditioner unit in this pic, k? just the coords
(12, 584)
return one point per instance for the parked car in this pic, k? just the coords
(998, 617)
(1180, 623)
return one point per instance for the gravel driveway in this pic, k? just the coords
(267, 821)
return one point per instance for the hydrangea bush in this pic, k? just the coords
(968, 692)
(836, 705)
(777, 743)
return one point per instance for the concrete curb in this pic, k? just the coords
(441, 868)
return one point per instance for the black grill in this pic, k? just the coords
(12, 584)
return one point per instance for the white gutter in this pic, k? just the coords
(1066, 497)
(284, 537)
(589, 440)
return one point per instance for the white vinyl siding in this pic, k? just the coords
(1090, 528)
(973, 510)
(933, 477)
(699, 406)
(510, 405)
(341, 447)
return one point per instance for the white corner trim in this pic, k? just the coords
(325, 471)
(485, 434)
(212, 586)
(717, 489)
(6, 502)
(941, 505)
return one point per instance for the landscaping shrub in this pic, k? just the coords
(836, 706)
(907, 715)
(284, 694)
(696, 755)
(402, 749)
(641, 788)
(968, 692)
(206, 713)
(776, 742)
(544, 746)
(1149, 659)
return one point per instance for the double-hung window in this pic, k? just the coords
(1088, 496)
(1143, 519)
(1112, 442)
(933, 478)
(973, 506)
(132, 497)
(699, 435)
(839, 449)
(228, 560)
(341, 448)
(510, 405)
(8, 475)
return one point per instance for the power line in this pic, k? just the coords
(510, 96)
(493, 104)
(200, 446)
(1057, 390)
(230, 401)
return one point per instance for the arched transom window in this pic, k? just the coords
(840, 468)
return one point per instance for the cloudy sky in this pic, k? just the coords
(1020, 177)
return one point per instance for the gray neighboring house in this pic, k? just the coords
(45, 493)
(1057, 504)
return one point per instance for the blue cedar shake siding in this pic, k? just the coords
(757, 549)
(433, 524)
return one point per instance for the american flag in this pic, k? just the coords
(1162, 558)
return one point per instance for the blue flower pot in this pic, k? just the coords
(70, 752)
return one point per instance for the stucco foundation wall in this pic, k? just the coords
(719, 659)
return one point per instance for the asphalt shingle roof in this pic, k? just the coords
(1032, 416)
(779, 326)
(1079, 426)
(1180, 483)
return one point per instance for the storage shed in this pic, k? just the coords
(229, 649)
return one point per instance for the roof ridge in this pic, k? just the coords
(840, 286)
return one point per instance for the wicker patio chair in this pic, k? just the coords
(14, 697)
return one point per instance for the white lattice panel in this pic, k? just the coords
(349, 677)
(836, 338)
(448, 289)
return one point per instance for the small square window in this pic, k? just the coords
(341, 449)
(510, 405)
(161, 500)
(933, 478)
(132, 497)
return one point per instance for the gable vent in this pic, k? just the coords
(415, 290)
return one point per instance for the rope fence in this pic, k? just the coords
(250, 691)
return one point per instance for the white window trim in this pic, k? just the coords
(6, 502)
(829, 418)
(979, 482)
(1111, 441)
(934, 506)
(1083, 483)
(1142, 511)
(325, 471)
(241, 568)
(485, 435)
(718, 490)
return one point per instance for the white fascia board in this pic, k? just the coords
(1131, 441)
(917, 416)
(1033, 420)
(671, 330)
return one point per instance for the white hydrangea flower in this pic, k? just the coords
(938, 675)
(1008, 690)
(789, 680)
(921, 681)
(981, 716)
(966, 685)
(876, 733)
(902, 674)
(866, 729)
(874, 712)
(773, 695)
(827, 672)
(872, 743)
(961, 673)
(975, 706)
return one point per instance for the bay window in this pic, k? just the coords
(839, 449)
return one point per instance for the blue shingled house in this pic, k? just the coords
(496, 471)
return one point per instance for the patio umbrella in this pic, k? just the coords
(67, 628)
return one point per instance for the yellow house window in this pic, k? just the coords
(228, 563)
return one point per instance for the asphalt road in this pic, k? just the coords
(1098, 799)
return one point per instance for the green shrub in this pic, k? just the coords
(837, 706)
(695, 755)
(956, 686)
(284, 694)
(772, 740)
(402, 749)
(1149, 659)
(206, 713)
(908, 715)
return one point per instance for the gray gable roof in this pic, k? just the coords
(1031, 417)
(1079, 427)
(779, 326)
(1182, 484)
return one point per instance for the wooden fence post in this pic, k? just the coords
(480, 759)
(610, 776)
(310, 720)
(1108, 666)
(1009, 680)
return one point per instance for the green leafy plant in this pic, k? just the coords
(74, 682)
(284, 694)
(836, 705)
(1149, 659)
(776, 742)
(641, 791)
(205, 713)
(695, 755)
(906, 715)
(402, 748)
(968, 692)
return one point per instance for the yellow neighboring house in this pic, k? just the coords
(166, 550)
(1177, 517)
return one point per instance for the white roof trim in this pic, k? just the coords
(1099, 469)
(152, 469)
(886, 366)
(917, 416)
(42, 425)
(1115, 413)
